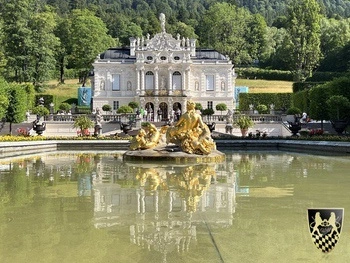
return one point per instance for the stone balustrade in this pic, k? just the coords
(257, 118)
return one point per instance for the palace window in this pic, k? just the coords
(210, 82)
(210, 105)
(177, 80)
(115, 105)
(149, 83)
(115, 82)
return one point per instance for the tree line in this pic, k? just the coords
(43, 39)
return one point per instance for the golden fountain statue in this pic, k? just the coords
(191, 133)
(147, 138)
(189, 138)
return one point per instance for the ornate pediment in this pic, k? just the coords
(163, 41)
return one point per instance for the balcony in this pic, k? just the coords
(163, 93)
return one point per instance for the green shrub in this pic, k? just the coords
(208, 112)
(65, 107)
(41, 111)
(262, 108)
(338, 108)
(107, 107)
(293, 111)
(221, 107)
(125, 109)
(198, 106)
(83, 110)
(299, 86)
(133, 104)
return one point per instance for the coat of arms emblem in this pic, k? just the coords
(325, 226)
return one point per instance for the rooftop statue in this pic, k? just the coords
(162, 21)
(190, 133)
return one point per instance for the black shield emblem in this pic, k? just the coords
(325, 226)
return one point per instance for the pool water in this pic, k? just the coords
(94, 207)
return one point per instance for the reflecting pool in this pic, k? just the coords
(93, 207)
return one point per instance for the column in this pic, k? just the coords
(138, 84)
(142, 82)
(156, 80)
(170, 81)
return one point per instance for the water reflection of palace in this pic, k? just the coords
(167, 205)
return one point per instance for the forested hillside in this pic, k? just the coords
(271, 9)
(193, 9)
(42, 39)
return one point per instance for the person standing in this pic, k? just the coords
(178, 114)
(159, 115)
(145, 115)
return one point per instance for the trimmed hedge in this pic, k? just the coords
(267, 74)
(301, 100)
(299, 86)
(282, 101)
(325, 76)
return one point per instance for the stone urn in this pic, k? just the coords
(294, 127)
(125, 127)
(211, 126)
(39, 126)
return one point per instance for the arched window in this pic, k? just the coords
(149, 83)
(177, 81)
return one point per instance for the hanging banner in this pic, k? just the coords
(84, 96)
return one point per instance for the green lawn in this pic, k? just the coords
(266, 86)
(66, 92)
(68, 89)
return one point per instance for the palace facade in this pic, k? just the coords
(162, 72)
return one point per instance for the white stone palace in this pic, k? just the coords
(162, 73)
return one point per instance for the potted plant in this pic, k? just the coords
(221, 107)
(339, 112)
(198, 107)
(107, 108)
(208, 112)
(244, 123)
(126, 125)
(292, 114)
(83, 122)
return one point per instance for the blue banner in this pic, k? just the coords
(84, 96)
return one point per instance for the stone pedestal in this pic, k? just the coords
(172, 153)
(138, 123)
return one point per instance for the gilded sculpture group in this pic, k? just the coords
(190, 133)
